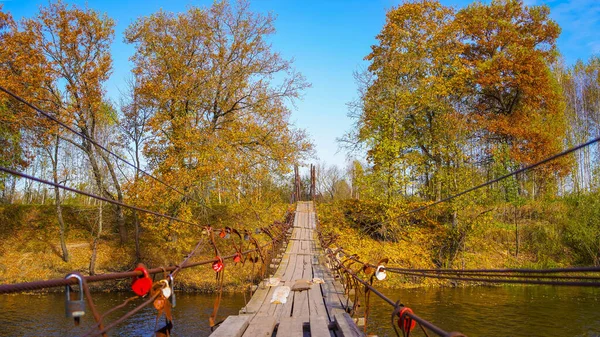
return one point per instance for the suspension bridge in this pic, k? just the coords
(308, 286)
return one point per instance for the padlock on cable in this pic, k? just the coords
(74, 308)
(237, 257)
(172, 286)
(141, 285)
(405, 322)
(380, 273)
(218, 265)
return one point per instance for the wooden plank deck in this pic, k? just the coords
(318, 312)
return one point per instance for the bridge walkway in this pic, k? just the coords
(318, 311)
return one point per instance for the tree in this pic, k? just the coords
(515, 100)
(76, 44)
(331, 182)
(409, 117)
(219, 123)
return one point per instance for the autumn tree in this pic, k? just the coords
(60, 60)
(21, 71)
(409, 118)
(220, 120)
(513, 97)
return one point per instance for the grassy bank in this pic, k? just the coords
(30, 249)
(552, 233)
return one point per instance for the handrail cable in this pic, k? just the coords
(38, 285)
(489, 182)
(174, 270)
(54, 119)
(511, 270)
(423, 322)
(91, 195)
(507, 281)
(479, 276)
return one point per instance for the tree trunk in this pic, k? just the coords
(516, 233)
(13, 186)
(95, 243)
(57, 202)
(98, 177)
(138, 254)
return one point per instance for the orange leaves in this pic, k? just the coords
(509, 48)
(219, 119)
(442, 81)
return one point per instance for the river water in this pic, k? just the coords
(475, 311)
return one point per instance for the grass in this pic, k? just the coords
(30, 249)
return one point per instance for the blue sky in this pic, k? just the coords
(328, 40)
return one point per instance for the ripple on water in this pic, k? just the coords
(476, 311)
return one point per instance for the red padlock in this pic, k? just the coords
(237, 257)
(222, 234)
(404, 322)
(141, 285)
(218, 265)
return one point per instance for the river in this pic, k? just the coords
(475, 311)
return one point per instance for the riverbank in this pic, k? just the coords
(543, 235)
(30, 249)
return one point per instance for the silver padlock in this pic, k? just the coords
(172, 285)
(75, 308)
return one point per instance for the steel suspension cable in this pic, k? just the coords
(508, 175)
(430, 326)
(503, 280)
(502, 275)
(174, 270)
(62, 124)
(38, 285)
(91, 195)
(490, 182)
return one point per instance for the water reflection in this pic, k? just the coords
(477, 311)
(499, 311)
(44, 315)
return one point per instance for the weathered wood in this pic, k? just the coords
(319, 309)
(319, 326)
(346, 326)
(233, 326)
(290, 327)
(260, 326)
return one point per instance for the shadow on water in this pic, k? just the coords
(475, 311)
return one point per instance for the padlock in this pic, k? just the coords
(166, 290)
(237, 257)
(141, 285)
(218, 265)
(75, 308)
(172, 286)
(380, 273)
(159, 302)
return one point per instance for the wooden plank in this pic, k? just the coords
(313, 308)
(316, 304)
(300, 304)
(346, 326)
(260, 326)
(319, 326)
(290, 327)
(233, 326)
(263, 294)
